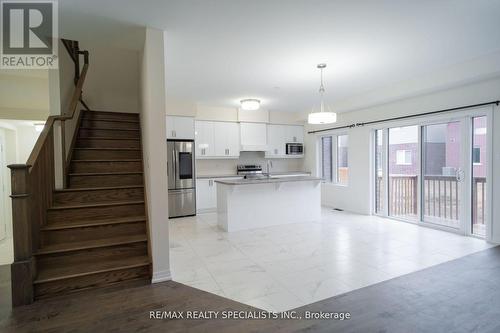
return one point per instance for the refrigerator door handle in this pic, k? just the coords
(174, 163)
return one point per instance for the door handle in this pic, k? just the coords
(174, 162)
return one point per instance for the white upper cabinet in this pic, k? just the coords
(294, 134)
(180, 127)
(253, 137)
(227, 139)
(204, 139)
(216, 139)
(276, 140)
(279, 136)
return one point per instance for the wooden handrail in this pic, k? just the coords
(76, 95)
(51, 120)
(41, 140)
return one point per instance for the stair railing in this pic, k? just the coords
(33, 183)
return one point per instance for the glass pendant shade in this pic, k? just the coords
(322, 116)
(317, 118)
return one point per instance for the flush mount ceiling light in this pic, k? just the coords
(250, 104)
(322, 116)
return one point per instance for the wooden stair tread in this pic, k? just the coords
(106, 173)
(93, 223)
(92, 205)
(111, 129)
(107, 148)
(49, 274)
(91, 244)
(106, 138)
(116, 120)
(83, 189)
(110, 112)
(97, 161)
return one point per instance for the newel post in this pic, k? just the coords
(22, 270)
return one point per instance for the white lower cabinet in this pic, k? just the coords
(206, 194)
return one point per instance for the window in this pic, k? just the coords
(326, 158)
(334, 166)
(342, 159)
(476, 155)
(403, 157)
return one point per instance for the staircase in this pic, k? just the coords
(96, 232)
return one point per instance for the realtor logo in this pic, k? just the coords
(29, 34)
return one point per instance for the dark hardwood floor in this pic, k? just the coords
(459, 296)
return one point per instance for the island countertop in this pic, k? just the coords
(267, 180)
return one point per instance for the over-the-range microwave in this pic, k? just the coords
(294, 149)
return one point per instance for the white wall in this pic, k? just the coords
(16, 86)
(19, 138)
(153, 108)
(112, 82)
(356, 197)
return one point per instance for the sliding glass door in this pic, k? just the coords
(443, 174)
(403, 172)
(435, 173)
(479, 166)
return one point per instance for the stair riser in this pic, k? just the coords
(102, 133)
(90, 281)
(105, 180)
(102, 143)
(98, 196)
(106, 154)
(110, 115)
(109, 124)
(70, 258)
(106, 212)
(52, 237)
(101, 167)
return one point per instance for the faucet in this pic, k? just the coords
(269, 166)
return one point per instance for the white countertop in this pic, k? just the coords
(272, 174)
(267, 180)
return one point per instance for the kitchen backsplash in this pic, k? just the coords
(227, 167)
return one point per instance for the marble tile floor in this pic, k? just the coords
(283, 267)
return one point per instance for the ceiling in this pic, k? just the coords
(221, 51)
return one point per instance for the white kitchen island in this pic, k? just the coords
(256, 203)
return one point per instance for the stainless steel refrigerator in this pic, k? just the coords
(181, 178)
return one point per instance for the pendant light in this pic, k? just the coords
(322, 117)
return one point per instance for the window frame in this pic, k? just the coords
(405, 151)
(334, 158)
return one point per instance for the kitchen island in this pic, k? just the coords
(256, 203)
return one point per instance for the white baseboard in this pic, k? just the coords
(161, 276)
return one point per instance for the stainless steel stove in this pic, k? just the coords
(250, 171)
